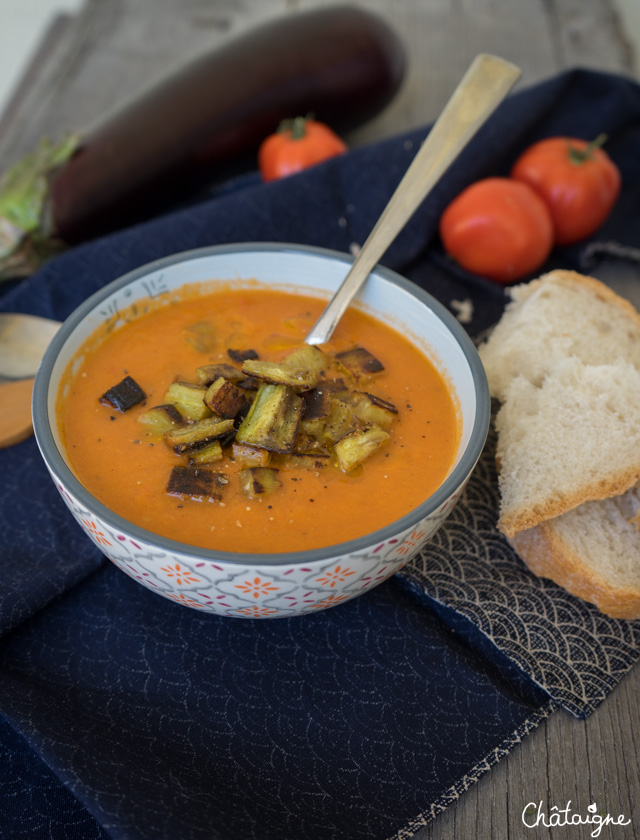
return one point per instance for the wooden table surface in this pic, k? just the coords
(89, 61)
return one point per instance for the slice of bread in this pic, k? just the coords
(564, 362)
(560, 314)
(592, 551)
(573, 438)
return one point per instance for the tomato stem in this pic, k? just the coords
(581, 156)
(297, 126)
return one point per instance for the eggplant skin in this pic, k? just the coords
(341, 63)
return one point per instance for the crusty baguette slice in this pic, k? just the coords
(560, 314)
(592, 551)
(572, 439)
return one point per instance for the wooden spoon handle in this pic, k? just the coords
(15, 412)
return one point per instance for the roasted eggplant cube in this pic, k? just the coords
(354, 448)
(250, 383)
(303, 461)
(273, 419)
(307, 357)
(208, 454)
(160, 419)
(188, 399)
(299, 370)
(340, 422)
(124, 395)
(249, 456)
(371, 409)
(242, 355)
(259, 481)
(317, 403)
(224, 399)
(359, 362)
(209, 373)
(196, 435)
(197, 483)
(278, 373)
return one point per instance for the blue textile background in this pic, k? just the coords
(126, 716)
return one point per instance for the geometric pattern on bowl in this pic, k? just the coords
(234, 590)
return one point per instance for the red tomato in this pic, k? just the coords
(498, 228)
(296, 145)
(578, 180)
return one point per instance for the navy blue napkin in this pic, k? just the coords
(128, 717)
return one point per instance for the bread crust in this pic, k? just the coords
(547, 555)
(574, 279)
(522, 520)
(512, 522)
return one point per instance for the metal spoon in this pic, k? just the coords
(479, 92)
(23, 340)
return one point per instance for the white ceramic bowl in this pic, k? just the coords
(267, 585)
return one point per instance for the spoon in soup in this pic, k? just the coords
(482, 88)
(24, 338)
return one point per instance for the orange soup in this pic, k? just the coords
(127, 465)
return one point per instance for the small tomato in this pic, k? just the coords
(578, 181)
(296, 145)
(498, 228)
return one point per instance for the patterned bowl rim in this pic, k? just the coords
(459, 474)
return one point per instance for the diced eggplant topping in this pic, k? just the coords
(303, 461)
(340, 422)
(278, 373)
(208, 454)
(160, 419)
(317, 403)
(359, 362)
(209, 373)
(308, 411)
(307, 357)
(273, 419)
(201, 336)
(188, 399)
(259, 481)
(250, 383)
(308, 444)
(124, 395)
(336, 386)
(223, 398)
(196, 435)
(242, 355)
(354, 448)
(196, 482)
(228, 438)
(299, 370)
(249, 456)
(371, 409)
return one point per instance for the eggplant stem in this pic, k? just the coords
(26, 238)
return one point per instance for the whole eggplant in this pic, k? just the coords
(342, 64)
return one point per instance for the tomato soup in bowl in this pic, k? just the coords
(224, 464)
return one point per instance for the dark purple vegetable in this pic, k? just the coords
(124, 395)
(342, 64)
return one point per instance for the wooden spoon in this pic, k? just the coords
(15, 415)
(23, 340)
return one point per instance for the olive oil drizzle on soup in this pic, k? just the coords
(127, 469)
